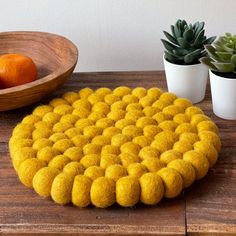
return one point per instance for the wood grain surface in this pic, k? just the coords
(206, 208)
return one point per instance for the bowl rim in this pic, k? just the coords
(46, 78)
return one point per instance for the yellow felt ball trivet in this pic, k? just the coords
(98, 147)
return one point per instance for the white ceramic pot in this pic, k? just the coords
(188, 81)
(223, 92)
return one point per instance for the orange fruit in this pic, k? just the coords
(16, 69)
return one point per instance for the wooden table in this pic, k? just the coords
(206, 208)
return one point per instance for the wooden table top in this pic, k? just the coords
(206, 208)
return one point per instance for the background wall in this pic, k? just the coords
(116, 35)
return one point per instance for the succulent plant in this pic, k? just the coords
(185, 45)
(222, 55)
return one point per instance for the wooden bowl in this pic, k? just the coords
(54, 56)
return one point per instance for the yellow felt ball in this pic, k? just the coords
(160, 117)
(58, 101)
(142, 141)
(129, 98)
(144, 121)
(103, 91)
(146, 101)
(62, 145)
(182, 146)
(120, 124)
(111, 98)
(90, 160)
(41, 143)
(134, 106)
(181, 118)
(63, 109)
(198, 161)
(57, 136)
(130, 147)
(103, 192)
(136, 170)
(185, 169)
(153, 164)
(105, 123)
(85, 92)
(116, 115)
(80, 140)
(43, 125)
(92, 131)
(69, 118)
(61, 127)
(167, 135)
(115, 172)
(82, 103)
(208, 150)
(22, 134)
(155, 93)
(121, 91)
(74, 153)
(47, 154)
(21, 128)
(71, 97)
(28, 169)
(94, 172)
(133, 115)
(151, 130)
(193, 110)
(41, 133)
(95, 98)
(42, 181)
(150, 111)
(119, 105)
(149, 151)
(184, 128)
(110, 149)
(81, 191)
(197, 118)
(170, 155)
(91, 148)
(82, 123)
(168, 125)
(21, 155)
(152, 188)
(120, 139)
(212, 137)
(189, 137)
(111, 131)
(73, 168)
(172, 110)
(42, 110)
(127, 191)
(16, 144)
(59, 162)
(101, 107)
(81, 112)
(167, 96)
(172, 180)
(207, 125)
(132, 131)
(101, 140)
(31, 119)
(62, 188)
(71, 132)
(182, 102)
(139, 92)
(162, 145)
(51, 118)
(96, 115)
(161, 104)
(108, 160)
(128, 158)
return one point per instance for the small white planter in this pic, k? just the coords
(188, 81)
(223, 92)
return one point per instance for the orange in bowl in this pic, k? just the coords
(16, 69)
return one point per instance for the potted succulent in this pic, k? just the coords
(221, 61)
(185, 75)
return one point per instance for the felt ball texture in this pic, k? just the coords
(124, 145)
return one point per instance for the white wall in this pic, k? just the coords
(116, 34)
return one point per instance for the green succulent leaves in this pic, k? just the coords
(222, 54)
(185, 43)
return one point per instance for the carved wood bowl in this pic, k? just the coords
(54, 56)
